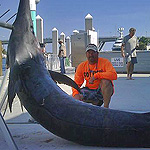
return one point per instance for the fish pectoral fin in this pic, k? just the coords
(11, 94)
(63, 79)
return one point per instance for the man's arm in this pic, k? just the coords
(122, 50)
(64, 52)
(109, 72)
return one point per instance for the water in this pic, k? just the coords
(3, 65)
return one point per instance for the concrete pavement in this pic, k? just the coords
(130, 95)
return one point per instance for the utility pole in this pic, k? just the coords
(0, 58)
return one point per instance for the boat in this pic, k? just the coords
(117, 45)
(118, 42)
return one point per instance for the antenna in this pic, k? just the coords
(4, 12)
(11, 17)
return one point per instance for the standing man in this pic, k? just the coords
(99, 75)
(128, 50)
(62, 56)
(42, 46)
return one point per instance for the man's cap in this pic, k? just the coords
(92, 47)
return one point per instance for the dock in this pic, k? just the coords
(130, 95)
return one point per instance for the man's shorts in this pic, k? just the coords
(133, 60)
(93, 96)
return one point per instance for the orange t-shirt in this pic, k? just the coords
(101, 70)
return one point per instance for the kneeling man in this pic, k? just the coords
(99, 75)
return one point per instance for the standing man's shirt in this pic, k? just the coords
(130, 44)
(101, 70)
(62, 50)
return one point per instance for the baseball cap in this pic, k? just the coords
(92, 47)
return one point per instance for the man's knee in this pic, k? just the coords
(106, 85)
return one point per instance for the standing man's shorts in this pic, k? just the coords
(133, 60)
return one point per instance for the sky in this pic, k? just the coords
(69, 15)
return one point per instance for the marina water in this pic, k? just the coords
(3, 65)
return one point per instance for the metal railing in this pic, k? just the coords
(52, 62)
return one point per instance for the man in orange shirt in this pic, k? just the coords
(99, 75)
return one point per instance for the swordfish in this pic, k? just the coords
(57, 111)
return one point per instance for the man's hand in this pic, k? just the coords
(137, 46)
(79, 97)
(91, 81)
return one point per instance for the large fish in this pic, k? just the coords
(55, 110)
